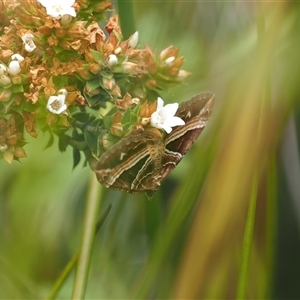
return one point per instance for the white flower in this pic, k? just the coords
(56, 104)
(5, 80)
(133, 40)
(118, 50)
(3, 147)
(27, 39)
(58, 8)
(14, 67)
(164, 116)
(3, 69)
(169, 61)
(17, 57)
(112, 60)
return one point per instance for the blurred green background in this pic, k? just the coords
(188, 241)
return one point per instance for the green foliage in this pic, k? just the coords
(188, 241)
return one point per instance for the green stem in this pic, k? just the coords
(89, 227)
(247, 243)
(248, 234)
(126, 16)
(61, 279)
(73, 261)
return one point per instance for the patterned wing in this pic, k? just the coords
(133, 164)
(195, 112)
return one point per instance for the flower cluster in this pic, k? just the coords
(58, 67)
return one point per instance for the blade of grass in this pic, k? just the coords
(126, 16)
(89, 226)
(73, 261)
(247, 243)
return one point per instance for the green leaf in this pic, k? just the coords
(126, 117)
(63, 142)
(76, 157)
(29, 107)
(50, 142)
(8, 103)
(17, 88)
(93, 84)
(60, 81)
(107, 120)
(97, 56)
(91, 140)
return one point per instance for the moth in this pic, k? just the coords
(144, 158)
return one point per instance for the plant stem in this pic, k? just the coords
(89, 226)
(61, 279)
(126, 16)
(73, 261)
(247, 243)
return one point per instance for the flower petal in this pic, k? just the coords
(164, 116)
(168, 111)
(160, 104)
(167, 129)
(175, 121)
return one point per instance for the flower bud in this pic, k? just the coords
(60, 32)
(169, 51)
(116, 91)
(17, 79)
(182, 74)
(27, 39)
(105, 142)
(5, 80)
(109, 83)
(102, 6)
(12, 139)
(169, 61)
(19, 152)
(90, 92)
(118, 50)
(17, 57)
(133, 40)
(94, 68)
(77, 30)
(173, 71)
(14, 67)
(65, 20)
(5, 95)
(145, 121)
(84, 74)
(112, 60)
(116, 129)
(3, 69)
(128, 66)
(3, 147)
(151, 84)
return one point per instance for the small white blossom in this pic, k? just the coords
(169, 61)
(112, 60)
(17, 57)
(5, 80)
(129, 66)
(65, 20)
(56, 104)
(182, 74)
(14, 67)
(164, 116)
(28, 42)
(3, 69)
(133, 40)
(58, 8)
(118, 50)
(3, 147)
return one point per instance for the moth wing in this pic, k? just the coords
(128, 165)
(195, 112)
